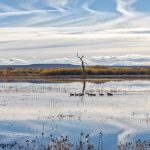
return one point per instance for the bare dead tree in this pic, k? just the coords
(83, 65)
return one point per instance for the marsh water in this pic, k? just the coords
(29, 109)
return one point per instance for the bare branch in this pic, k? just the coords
(82, 63)
(86, 63)
(79, 56)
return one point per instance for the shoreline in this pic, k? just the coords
(73, 78)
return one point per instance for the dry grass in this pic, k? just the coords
(55, 143)
(63, 143)
(136, 145)
(96, 70)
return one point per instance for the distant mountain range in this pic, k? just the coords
(39, 66)
(48, 66)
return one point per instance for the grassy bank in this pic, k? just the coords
(91, 71)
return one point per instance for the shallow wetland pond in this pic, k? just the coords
(39, 111)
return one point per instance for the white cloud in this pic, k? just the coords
(86, 6)
(60, 3)
(125, 7)
(124, 60)
(40, 31)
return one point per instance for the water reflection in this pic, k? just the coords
(26, 109)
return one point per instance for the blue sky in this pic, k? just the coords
(142, 5)
(50, 29)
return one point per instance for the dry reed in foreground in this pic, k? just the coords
(63, 143)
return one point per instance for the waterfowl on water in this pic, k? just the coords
(81, 94)
(91, 94)
(109, 94)
(72, 94)
(101, 94)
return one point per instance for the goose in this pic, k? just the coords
(101, 94)
(109, 94)
(71, 94)
(76, 94)
(81, 94)
(92, 94)
(87, 93)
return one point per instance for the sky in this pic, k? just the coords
(111, 32)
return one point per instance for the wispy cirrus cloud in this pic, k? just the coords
(51, 27)
(125, 7)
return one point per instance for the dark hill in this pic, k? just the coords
(39, 66)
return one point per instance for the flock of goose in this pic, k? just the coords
(90, 94)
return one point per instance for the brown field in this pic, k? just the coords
(95, 74)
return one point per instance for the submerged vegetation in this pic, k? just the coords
(92, 70)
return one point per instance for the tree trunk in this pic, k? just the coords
(84, 74)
